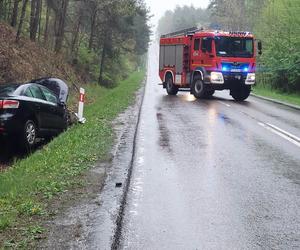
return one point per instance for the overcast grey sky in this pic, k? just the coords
(158, 7)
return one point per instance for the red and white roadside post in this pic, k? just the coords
(81, 119)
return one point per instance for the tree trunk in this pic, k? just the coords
(8, 8)
(60, 30)
(47, 25)
(75, 37)
(102, 60)
(21, 20)
(78, 46)
(34, 18)
(1, 9)
(14, 17)
(92, 34)
(40, 19)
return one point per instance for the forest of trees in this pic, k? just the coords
(183, 17)
(101, 38)
(275, 22)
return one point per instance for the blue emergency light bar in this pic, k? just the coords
(227, 68)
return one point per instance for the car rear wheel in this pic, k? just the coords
(29, 134)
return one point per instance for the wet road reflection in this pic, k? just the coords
(206, 176)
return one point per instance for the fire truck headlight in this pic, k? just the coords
(216, 77)
(250, 78)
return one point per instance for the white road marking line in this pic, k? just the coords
(224, 103)
(285, 132)
(288, 136)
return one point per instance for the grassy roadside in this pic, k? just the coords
(27, 187)
(275, 94)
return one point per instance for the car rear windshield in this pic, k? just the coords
(6, 89)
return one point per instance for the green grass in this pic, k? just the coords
(277, 95)
(27, 187)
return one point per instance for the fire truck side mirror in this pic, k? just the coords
(259, 46)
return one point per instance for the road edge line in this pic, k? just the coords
(279, 133)
(276, 101)
(288, 134)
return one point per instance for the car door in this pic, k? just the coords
(31, 106)
(40, 105)
(56, 111)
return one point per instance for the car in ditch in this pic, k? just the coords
(30, 111)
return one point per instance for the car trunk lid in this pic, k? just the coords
(57, 86)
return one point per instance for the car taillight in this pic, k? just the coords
(9, 104)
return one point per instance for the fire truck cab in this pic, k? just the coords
(206, 61)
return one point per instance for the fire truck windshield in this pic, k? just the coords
(234, 47)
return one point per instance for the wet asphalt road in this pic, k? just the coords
(213, 174)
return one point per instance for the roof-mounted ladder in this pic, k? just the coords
(182, 32)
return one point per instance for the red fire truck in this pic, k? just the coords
(205, 61)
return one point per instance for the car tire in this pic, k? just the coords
(198, 88)
(171, 88)
(241, 94)
(29, 135)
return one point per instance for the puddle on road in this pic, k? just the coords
(224, 119)
(188, 98)
(164, 138)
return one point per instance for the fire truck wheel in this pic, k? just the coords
(198, 88)
(170, 87)
(241, 94)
